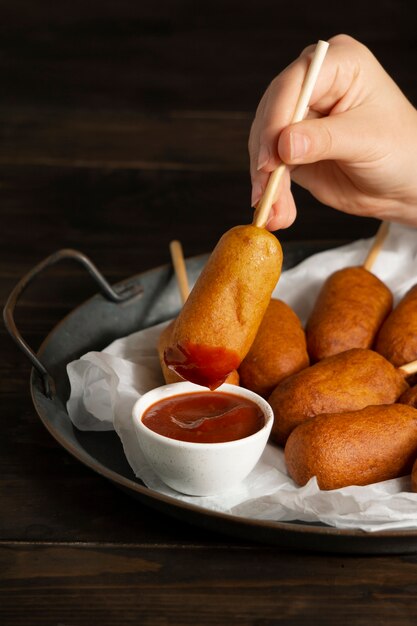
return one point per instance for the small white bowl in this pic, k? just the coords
(200, 469)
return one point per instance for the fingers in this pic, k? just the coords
(274, 113)
(346, 152)
(263, 146)
(277, 106)
(331, 138)
(283, 211)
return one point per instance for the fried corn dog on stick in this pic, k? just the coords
(348, 381)
(219, 321)
(170, 375)
(351, 307)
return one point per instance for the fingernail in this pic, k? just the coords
(299, 145)
(256, 194)
(263, 157)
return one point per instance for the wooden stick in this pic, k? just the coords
(409, 368)
(178, 262)
(264, 207)
(377, 244)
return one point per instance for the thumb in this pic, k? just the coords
(337, 137)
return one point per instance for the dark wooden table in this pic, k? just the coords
(124, 125)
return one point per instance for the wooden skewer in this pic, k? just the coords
(178, 262)
(409, 368)
(377, 244)
(264, 207)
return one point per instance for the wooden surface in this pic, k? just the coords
(124, 125)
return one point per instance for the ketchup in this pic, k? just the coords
(207, 366)
(205, 417)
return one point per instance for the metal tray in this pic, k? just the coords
(136, 303)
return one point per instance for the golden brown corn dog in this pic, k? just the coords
(178, 261)
(348, 381)
(169, 375)
(357, 448)
(348, 313)
(220, 319)
(397, 337)
(279, 350)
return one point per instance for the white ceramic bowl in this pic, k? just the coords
(200, 469)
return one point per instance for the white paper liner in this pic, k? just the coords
(105, 385)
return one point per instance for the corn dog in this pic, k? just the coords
(219, 321)
(356, 448)
(397, 337)
(279, 350)
(178, 261)
(348, 381)
(351, 306)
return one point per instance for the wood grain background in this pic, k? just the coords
(120, 117)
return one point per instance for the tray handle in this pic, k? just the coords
(121, 295)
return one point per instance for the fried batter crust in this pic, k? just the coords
(350, 308)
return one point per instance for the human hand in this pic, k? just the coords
(356, 149)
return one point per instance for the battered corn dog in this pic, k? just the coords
(278, 351)
(350, 308)
(178, 261)
(348, 381)
(358, 448)
(397, 337)
(220, 319)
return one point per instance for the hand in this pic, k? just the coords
(355, 151)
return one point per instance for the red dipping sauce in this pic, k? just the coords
(205, 417)
(207, 366)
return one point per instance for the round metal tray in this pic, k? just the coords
(136, 303)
